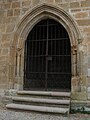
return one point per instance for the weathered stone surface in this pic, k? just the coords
(2, 13)
(2, 28)
(64, 5)
(15, 4)
(5, 51)
(6, 37)
(81, 15)
(49, 1)
(35, 2)
(24, 10)
(10, 0)
(84, 22)
(58, 1)
(85, 3)
(10, 28)
(79, 96)
(7, 6)
(74, 5)
(74, 10)
(26, 3)
(11, 14)
(87, 29)
(16, 12)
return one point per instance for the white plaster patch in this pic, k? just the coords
(88, 89)
(12, 92)
(2, 92)
(81, 48)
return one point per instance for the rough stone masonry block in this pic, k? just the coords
(88, 90)
(0, 51)
(87, 29)
(35, 2)
(64, 5)
(16, 12)
(79, 96)
(74, 10)
(15, 4)
(88, 81)
(5, 44)
(6, 37)
(5, 51)
(49, 1)
(10, 28)
(10, 12)
(89, 49)
(9, 0)
(74, 5)
(81, 15)
(2, 28)
(89, 60)
(7, 6)
(58, 1)
(4, 86)
(84, 22)
(2, 14)
(26, 3)
(85, 3)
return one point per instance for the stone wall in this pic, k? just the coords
(12, 11)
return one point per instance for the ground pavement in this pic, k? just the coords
(17, 115)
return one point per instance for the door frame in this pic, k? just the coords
(30, 19)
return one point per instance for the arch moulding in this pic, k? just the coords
(28, 21)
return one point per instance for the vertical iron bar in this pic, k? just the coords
(36, 50)
(25, 60)
(55, 67)
(42, 46)
(51, 69)
(66, 56)
(46, 58)
(25, 63)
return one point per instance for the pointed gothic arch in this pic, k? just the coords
(28, 21)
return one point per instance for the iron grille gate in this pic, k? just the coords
(47, 57)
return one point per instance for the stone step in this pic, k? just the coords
(45, 93)
(38, 108)
(41, 100)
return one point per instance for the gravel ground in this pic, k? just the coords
(14, 115)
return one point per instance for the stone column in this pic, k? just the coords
(18, 62)
(74, 61)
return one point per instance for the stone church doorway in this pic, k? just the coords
(47, 57)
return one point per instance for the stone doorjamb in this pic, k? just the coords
(30, 19)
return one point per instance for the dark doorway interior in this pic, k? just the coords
(47, 57)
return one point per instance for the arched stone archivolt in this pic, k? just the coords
(30, 19)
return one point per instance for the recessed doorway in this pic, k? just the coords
(47, 59)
